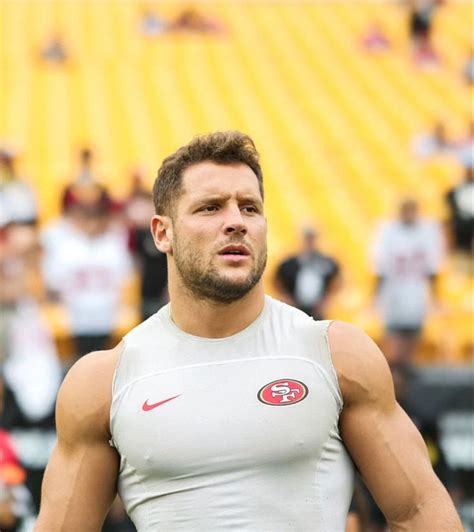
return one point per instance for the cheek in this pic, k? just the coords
(261, 233)
(194, 236)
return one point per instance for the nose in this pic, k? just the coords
(234, 222)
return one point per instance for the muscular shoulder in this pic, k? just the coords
(362, 370)
(85, 396)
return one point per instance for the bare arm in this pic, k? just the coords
(80, 481)
(383, 442)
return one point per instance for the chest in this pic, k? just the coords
(217, 417)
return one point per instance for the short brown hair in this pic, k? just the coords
(221, 147)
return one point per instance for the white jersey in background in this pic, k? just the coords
(405, 256)
(88, 273)
(237, 433)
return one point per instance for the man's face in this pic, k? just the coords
(219, 231)
(409, 212)
(309, 240)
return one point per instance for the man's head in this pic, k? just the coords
(209, 219)
(408, 211)
(469, 174)
(224, 148)
(309, 239)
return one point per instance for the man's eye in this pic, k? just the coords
(209, 208)
(250, 208)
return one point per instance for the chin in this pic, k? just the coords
(238, 278)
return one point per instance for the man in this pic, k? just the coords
(224, 411)
(407, 256)
(153, 268)
(308, 279)
(17, 198)
(460, 203)
(30, 370)
(86, 266)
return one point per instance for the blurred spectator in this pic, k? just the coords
(421, 13)
(308, 279)
(433, 143)
(86, 264)
(375, 39)
(54, 51)
(17, 200)
(425, 55)
(465, 148)
(191, 20)
(153, 266)
(75, 192)
(31, 370)
(469, 68)
(151, 24)
(407, 256)
(15, 499)
(421, 23)
(460, 201)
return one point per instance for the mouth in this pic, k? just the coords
(235, 250)
(235, 253)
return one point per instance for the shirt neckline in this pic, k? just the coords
(166, 317)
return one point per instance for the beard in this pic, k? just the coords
(205, 282)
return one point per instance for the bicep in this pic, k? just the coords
(78, 488)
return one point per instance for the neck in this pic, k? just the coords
(210, 319)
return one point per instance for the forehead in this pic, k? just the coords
(209, 178)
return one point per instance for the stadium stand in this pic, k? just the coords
(332, 122)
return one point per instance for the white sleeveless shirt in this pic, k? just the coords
(237, 433)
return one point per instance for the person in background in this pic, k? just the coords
(464, 147)
(375, 39)
(309, 279)
(468, 70)
(84, 175)
(192, 20)
(152, 264)
(86, 263)
(460, 202)
(151, 24)
(433, 143)
(421, 25)
(407, 258)
(54, 51)
(31, 372)
(15, 499)
(17, 200)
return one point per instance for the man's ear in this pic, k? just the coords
(162, 232)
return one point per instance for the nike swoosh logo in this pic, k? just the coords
(147, 407)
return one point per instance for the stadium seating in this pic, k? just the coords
(333, 123)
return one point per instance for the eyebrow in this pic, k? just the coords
(209, 198)
(251, 199)
(222, 198)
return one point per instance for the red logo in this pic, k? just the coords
(283, 392)
(146, 407)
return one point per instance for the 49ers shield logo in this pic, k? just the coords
(283, 392)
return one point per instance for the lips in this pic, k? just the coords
(235, 249)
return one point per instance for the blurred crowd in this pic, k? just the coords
(83, 260)
(98, 260)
